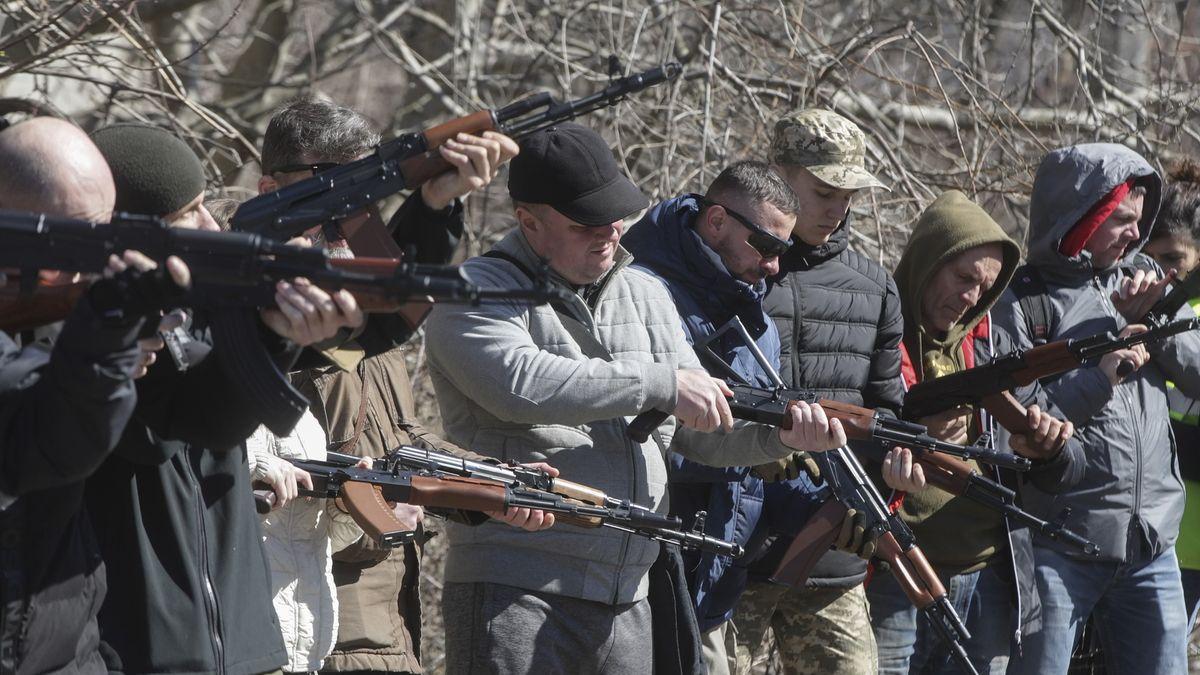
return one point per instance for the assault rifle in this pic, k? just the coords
(411, 159)
(989, 385)
(850, 488)
(365, 493)
(232, 274)
(961, 479)
(427, 461)
(771, 406)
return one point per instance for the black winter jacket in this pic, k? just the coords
(189, 585)
(62, 410)
(839, 320)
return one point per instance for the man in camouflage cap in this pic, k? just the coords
(839, 321)
(827, 145)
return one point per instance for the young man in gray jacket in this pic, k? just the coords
(1091, 211)
(557, 384)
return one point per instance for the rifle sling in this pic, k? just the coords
(810, 544)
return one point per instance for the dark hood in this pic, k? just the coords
(1069, 182)
(950, 225)
(665, 242)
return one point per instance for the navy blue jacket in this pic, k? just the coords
(707, 296)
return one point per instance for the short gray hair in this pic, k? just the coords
(755, 183)
(317, 130)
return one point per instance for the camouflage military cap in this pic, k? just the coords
(825, 143)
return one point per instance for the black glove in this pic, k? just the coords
(853, 537)
(130, 295)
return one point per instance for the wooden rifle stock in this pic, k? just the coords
(813, 541)
(911, 570)
(1044, 361)
(43, 305)
(420, 168)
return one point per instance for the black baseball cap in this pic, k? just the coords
(569, 168)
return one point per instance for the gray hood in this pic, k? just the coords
(1069, 182)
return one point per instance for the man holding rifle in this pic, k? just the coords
(556, 384)
(360, 392)
(1091, 211)
(714, 253)
(955, 266)
(65, 403)
(173, 503)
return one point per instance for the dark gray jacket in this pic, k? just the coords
(1130, 499)
(840, 327)
(62, 410)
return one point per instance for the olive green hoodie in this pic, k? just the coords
(957, 535)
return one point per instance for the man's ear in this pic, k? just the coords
(267, 184)
(525, 219)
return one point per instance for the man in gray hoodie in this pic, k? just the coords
(558, 384)
(1091, 211)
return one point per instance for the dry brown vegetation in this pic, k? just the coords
(963, 94)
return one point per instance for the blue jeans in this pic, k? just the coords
(1191, 595)
(1137, 610)
(982, 599)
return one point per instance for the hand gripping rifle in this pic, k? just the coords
(771, 406)
(365, 494)
(989, 385)
(232, 274)
(1163, 311)
(961, 479)
(411, 159)
(850, 488)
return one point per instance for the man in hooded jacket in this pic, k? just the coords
(1090, 212)
(955, 266)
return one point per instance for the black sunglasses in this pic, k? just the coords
(316, 168)
(767, 244)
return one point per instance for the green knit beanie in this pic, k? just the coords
(155, 172)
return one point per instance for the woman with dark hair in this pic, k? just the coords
(1175, 244)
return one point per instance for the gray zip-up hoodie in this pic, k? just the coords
(1130, 499)
(513, 384)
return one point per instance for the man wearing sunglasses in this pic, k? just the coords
(840, 326)
(714, 252)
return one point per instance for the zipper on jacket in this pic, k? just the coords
(210, 595)
(1131, 410)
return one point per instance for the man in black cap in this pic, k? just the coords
(173, 506)
(556, 384)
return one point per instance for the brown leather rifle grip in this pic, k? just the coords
(889, 549)
(1008, 411)
(1044, 361)
(943, 471)
(583, 493)
(925, 572)
(858, 422)
(45, 305)
(421, 168)
(365, 503)
(465, 494)
(812, 542)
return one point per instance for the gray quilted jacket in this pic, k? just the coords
(513, 384)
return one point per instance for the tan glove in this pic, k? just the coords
(787, 468)
(853, 537)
